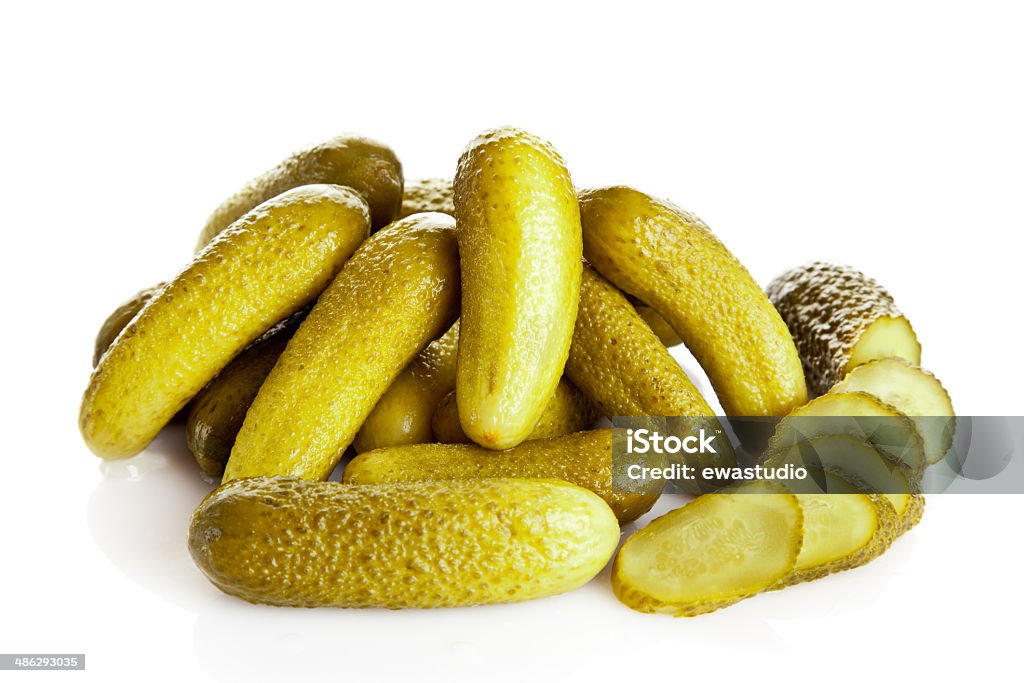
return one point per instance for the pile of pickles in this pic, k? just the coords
(456, 342)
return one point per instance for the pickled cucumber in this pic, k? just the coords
(711, 553)
(568, 411)
(439, 544)
(840, 319)
(398, 292)
(219, 409)
(272, 262)
(367, 166)
(520, 251)
(432, 194)
(403, 414)
(584, 458)
(672, 262)
(620, 364)
(914, 392)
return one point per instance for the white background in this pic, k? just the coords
(887, 135)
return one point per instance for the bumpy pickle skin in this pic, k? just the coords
(520, 250)
(368, 167)
(218, 410)
(620, 364)
(658, 325)
(430, 194)
(711, 553)
(272, 262)
(839, 319)
(296, 543)
(119, 319)
(912, 513)
(398, 292)
(668, 259)
(568, 411)
(583, 458)
(618, 361)
(403, 414)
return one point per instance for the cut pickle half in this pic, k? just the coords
(840, 318)
(711, 553)
(915, 393)
(858, 414)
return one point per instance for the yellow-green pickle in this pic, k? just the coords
(584, 458)
(520, 250)
(397, 294)
(668, 259)
(366, 166)
(840, 319)
(426, 544)
(269, 264)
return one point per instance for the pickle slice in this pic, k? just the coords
(843, 529)
(915, 393)
(711, 553)
(857, 414)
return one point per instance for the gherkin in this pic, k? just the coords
(671, 261)
(583, 458)
(367, 166)
(396, 294)
(272, 262)
(297, 543)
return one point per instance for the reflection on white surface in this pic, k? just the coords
(138, 515)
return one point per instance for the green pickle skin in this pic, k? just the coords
(671, 261)
(520, 250)
(296, 543)
(218, 411)
(269, 264)
(119, 319)
(583, 458)
(397, 293)
(367, 166)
